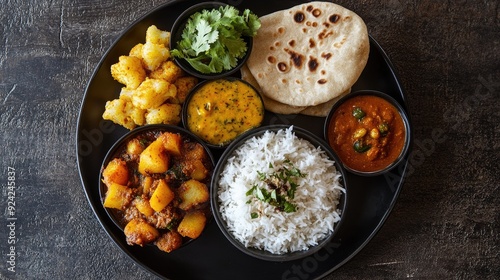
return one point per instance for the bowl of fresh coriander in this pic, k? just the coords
(211, 40)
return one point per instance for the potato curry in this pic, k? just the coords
(157, 189)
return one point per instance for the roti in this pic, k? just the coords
(320, 110)
(309, 54)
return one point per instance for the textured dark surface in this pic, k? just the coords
(446, 221)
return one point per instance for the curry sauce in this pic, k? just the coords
(367, 132)
(222, 109)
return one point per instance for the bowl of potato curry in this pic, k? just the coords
(154, 184)
(369, 131)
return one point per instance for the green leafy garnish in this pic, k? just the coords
(358, 113)
(360, 147)
(280, 188)
(212, 40)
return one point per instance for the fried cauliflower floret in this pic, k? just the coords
(167, 71)
(124, 113)
(126, 94)
(165, 114)
(157, 36)
(136, 51)
(128, 71)
(184, 85)
(152, 93)
(153, 55)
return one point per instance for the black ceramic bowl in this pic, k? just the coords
(120, 145)
(186, 117)
(406, 123)
(215, 202)
(176, 35)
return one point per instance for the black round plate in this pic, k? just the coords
(370, 200)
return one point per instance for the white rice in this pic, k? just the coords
(316, 197)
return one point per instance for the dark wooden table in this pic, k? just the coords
(444, 225)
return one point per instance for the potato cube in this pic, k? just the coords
(195, 152)
(153, 159)
(146, 184)
(169, 241)
(198, 172)
(153, 55)
(117, 196)
(192, 224)
(162, 196)
(143, 206)
(128, 71)
(168, 71)
(172, 143)
(165, 114)
(139, 232)
(134, 147)
(152, 93)
(192, 193)
(157, 36)
(116, 172)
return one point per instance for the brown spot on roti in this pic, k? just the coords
(334, 18)
(312, 43)
(324, 34)
(271, 59)
(315, 24)
(281, 30)
(297, 58)
(292, 43)
(326, 56)
(312, 64)
(322, 81)
(310, 8)
(299, 17)
(316, 12)
(282, 67)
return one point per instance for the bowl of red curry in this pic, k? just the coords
(370, 132)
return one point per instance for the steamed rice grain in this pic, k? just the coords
(316, 197)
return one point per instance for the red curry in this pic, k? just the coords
(367, 132)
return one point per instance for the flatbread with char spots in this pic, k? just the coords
(309, 54)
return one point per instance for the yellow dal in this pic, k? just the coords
(221, 110)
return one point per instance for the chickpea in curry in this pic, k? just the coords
(367, 132)
(156, 188)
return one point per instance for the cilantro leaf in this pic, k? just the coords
(212, 40)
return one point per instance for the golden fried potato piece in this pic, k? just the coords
(169, 241)
(192, 193)
(118, 196)
(139, 232)
(115, 172)
(128, 71)
(192, 224)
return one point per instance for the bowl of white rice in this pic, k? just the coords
(278, 193)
